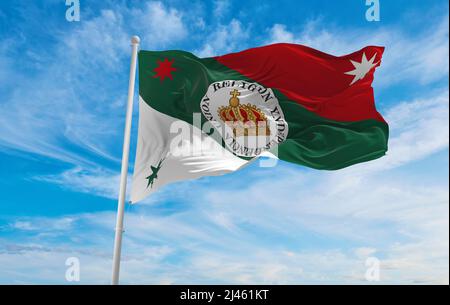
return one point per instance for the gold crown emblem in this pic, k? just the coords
(245, 120)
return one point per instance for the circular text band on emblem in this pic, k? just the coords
(247, 116)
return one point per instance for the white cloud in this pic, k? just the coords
(407, 224)
(159, 24)
(221, 7)
(225, 39)
(101, 182)
(47, 112)
(365, 252)
(70, 111)
(43, 226)
(99, 42)
(418, 129)
(314, 236)
(278, 33)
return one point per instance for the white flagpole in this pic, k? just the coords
(124, 170)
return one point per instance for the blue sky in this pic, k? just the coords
(62, 101)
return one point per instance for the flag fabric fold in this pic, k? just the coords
(209, 116)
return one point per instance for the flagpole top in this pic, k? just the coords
(135, 40)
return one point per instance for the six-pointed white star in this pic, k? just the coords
(361, 68)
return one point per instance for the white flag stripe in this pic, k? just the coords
(155, 145)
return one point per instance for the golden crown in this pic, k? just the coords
(244, 119)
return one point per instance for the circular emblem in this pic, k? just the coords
(247, 116)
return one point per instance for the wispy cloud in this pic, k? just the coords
(57, 110)
(158, 24)
(418, 129)
(73, 109)
(316, 236)
(221, 7)
(98, 181)
(224, 39)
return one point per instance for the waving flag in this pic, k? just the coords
(210, 116)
